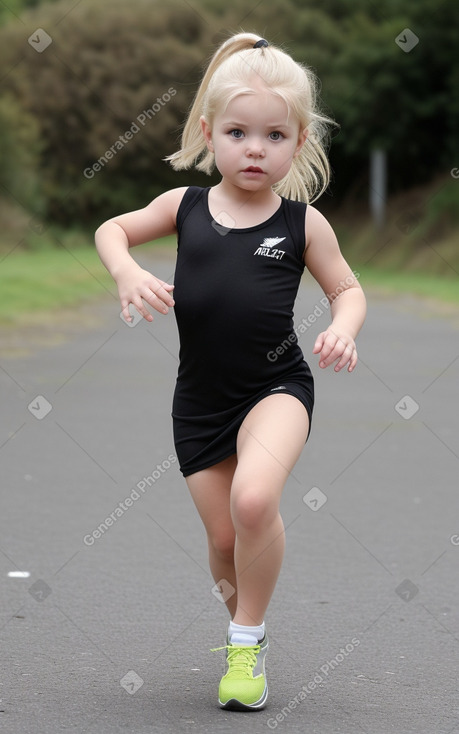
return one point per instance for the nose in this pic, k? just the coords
(255, 148)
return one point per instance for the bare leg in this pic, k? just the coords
(238, 501)
(210, 490)
(270, 441)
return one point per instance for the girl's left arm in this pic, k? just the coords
(327, 265)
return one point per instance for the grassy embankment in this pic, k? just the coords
(416, 253)
(37, 283)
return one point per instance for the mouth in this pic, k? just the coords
(253, 169)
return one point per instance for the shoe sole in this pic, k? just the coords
(234, 705)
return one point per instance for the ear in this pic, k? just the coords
(207, 132)
(302, 136)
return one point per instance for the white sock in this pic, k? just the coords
(240, 634)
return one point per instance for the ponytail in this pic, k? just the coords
(193, 144)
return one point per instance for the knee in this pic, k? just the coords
(221, 543)
(252, 508)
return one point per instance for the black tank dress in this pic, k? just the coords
(234, 295)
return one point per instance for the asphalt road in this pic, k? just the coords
(111, 631)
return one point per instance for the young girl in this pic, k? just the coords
(241, 416)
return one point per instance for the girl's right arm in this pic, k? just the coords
(113, 240)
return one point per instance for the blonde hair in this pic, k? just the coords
(228, 75)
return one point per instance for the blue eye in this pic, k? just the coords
(276, 135)
(237, 134)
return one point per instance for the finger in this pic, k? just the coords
(125, 311)
(141, 308)
(345, 358)
(353, 361)
(327, 346)
(330, 352)
(342, 352)
(159, 289)
(318, 343)
(155, 301)
(167, 286)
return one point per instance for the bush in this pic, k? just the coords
(87, 90)
(19, 153)
(110, 62)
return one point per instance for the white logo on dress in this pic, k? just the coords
(266, 249)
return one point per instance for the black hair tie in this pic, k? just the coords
(261, 43)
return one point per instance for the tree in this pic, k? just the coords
(397, 99)
(109, 66)
(114, 82)
(19, 154)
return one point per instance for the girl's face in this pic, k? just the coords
(254, 140)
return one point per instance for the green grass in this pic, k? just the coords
(50, 280)
(35, 283)
(437, 287)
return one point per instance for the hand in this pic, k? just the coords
(136, 286)
(335, 346)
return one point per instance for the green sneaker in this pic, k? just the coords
(244, 687)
